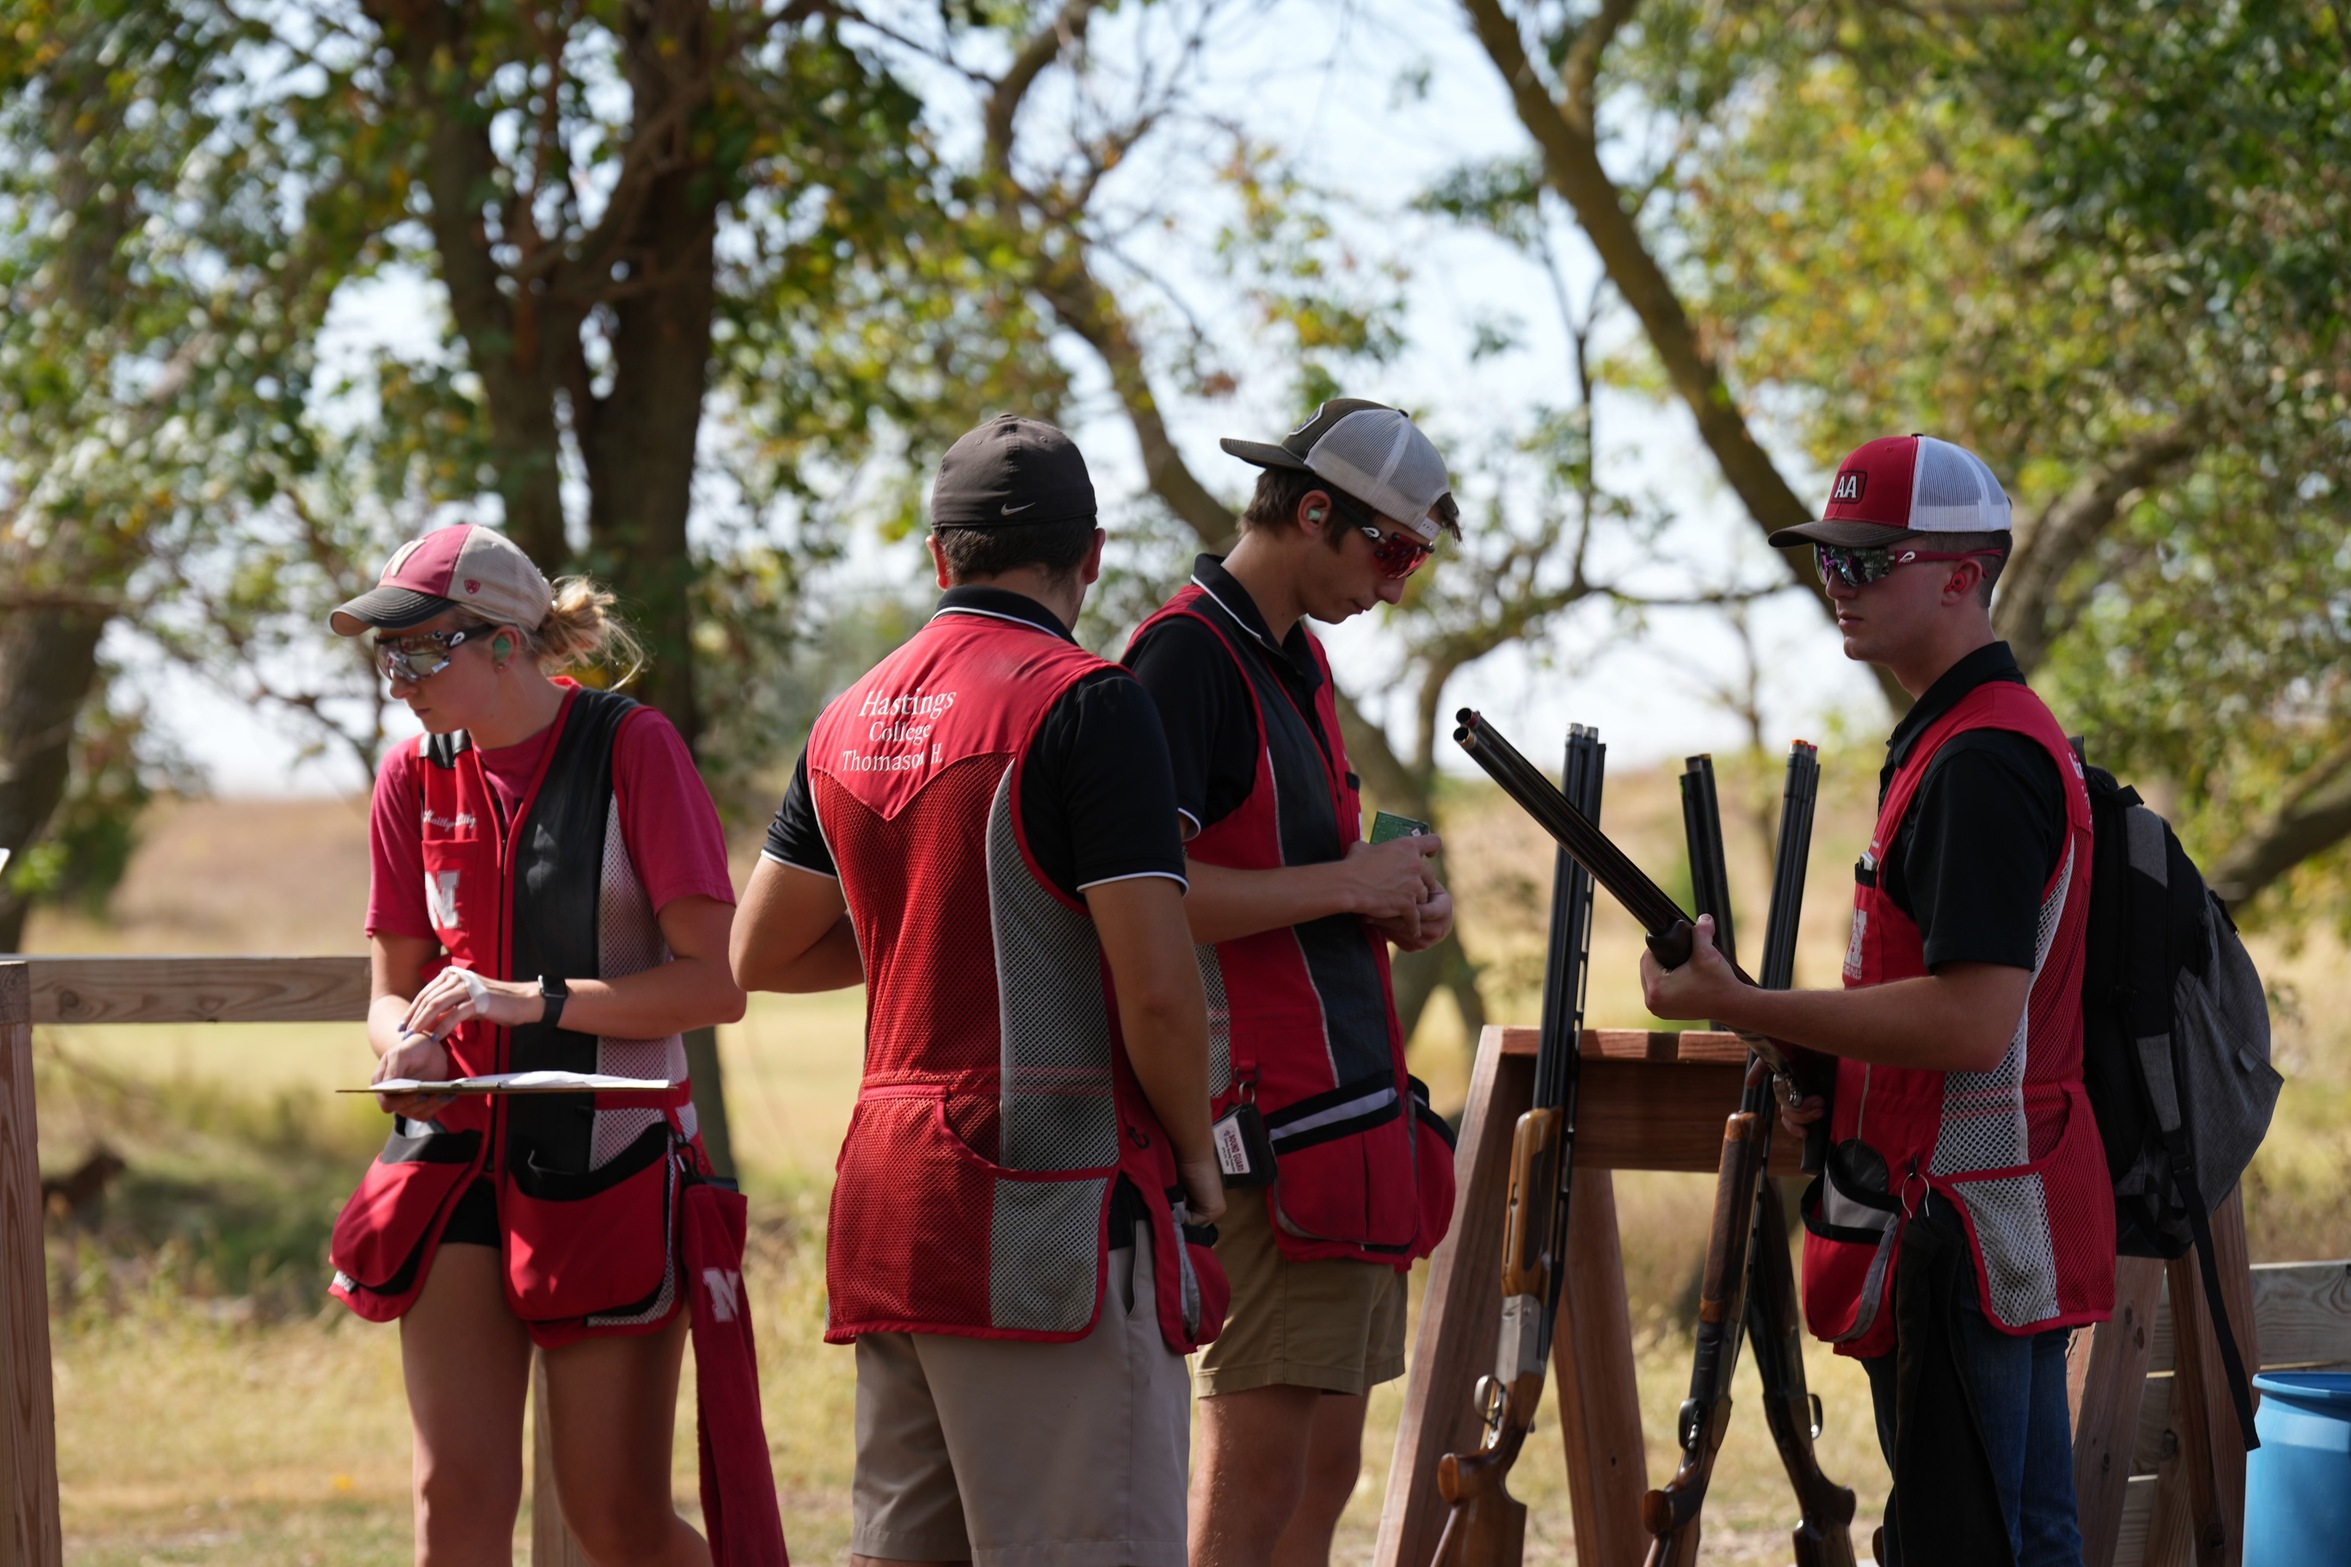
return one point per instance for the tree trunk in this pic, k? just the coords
(516, 341)
(1418, 976)
(639, 438)
(48, 663)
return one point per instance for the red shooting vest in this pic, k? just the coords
(588, 1184)
(2014, 1150)
(1302, 1019)
(997, 1111)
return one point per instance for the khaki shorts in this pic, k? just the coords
(1006, 1453)
(1333, 1325)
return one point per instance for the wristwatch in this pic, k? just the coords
(554, 992)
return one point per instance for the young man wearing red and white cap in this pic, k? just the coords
(1965, 1223)
(1294, 915)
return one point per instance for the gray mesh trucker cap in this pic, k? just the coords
(1373, 452)
(1898, 487)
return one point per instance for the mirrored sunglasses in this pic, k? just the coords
(1858, 567)
(1397, 555)
(422, 656)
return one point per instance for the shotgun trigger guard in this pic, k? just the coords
(1686, 1424)
(1818, 1425)
(1491, 1400)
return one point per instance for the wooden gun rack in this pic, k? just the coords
(1657, 1101)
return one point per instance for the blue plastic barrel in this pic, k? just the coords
(2298, 1482)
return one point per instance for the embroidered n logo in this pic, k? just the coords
(726, 1293)
(441, 890)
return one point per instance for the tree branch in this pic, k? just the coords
(2032, 610)
(1580, 74)
(1087, 308)
(2315, 816)
(1571, 163)
(1043, 47)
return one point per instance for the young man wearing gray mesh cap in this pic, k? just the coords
(1294, 915)
(1964, 1223)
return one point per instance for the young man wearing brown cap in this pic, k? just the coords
(1965, 1223)
(1294, 915)
(982, 829)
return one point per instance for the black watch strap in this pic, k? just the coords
(555, 993)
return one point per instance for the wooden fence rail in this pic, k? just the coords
(73, 990)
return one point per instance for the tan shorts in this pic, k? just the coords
(1013, 1454)
(1334, 1325)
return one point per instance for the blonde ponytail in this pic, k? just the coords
(581, 629)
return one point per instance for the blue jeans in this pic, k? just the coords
(2027, 1429)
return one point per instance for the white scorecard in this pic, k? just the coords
(520, 1083)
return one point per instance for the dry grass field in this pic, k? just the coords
(212, 1410)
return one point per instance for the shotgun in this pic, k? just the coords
(1747, 1277)
(1485, 1526)
(1774, 1324)
(1668, 930)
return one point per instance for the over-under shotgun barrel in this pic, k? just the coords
(1667, 926)
(1710, 877)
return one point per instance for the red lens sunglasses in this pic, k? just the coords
(1396, 554)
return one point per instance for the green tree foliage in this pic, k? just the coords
(614, 217)
(2103, 245)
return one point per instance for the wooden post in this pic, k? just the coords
(1460, 1312)
(552, 1544)
(2209, 1531)
(1594, 1389)
(2106, 1375)
(29, 1532)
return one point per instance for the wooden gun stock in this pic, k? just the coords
(1484, 1525)
(1824, 1535)
(1670, 1514)
(1487, 1526)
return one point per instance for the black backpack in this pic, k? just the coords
(2175, 1045)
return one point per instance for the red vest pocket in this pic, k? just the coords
(927, 1236)
(594, 1242)
(383, 1233)
(1344, 1171)
(2041, 1257)
(1851, 1228)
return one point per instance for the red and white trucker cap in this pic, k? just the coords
(1371, 451)
(466, 567)
(1900, 486)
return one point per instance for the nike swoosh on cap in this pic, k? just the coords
(1023, 506)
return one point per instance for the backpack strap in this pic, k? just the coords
(2155, 1069)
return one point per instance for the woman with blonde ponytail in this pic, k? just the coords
(580, 630)
(549, 891)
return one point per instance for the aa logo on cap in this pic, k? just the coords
(1850, 484)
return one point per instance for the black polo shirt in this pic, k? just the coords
(1203, 698)
(1984, 832)
(1095, 800)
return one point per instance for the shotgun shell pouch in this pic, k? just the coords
(1243, 1150)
